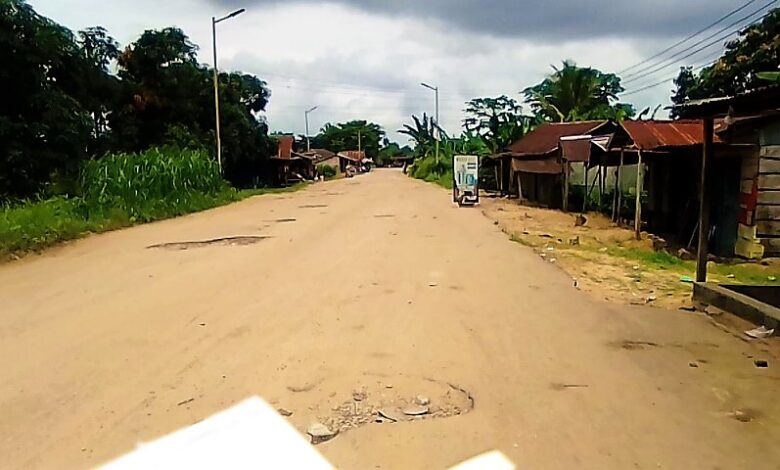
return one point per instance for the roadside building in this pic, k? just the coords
(662, 157)
(324, 157)
(752, 120)
(351, 159)
(535, 167)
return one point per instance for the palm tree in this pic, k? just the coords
(574, 93)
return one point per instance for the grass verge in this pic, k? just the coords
(120, 191)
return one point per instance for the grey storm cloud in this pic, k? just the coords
(545, 19)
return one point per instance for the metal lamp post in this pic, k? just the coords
(306, 116)
(436, 92)
(214, 22)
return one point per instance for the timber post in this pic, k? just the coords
(704, 202)
(638, 207)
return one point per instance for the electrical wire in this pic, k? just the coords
(676, 57)
(682, 41)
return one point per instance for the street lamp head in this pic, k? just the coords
(227, 17)
(313, 108)
(429, 86)
(236, 13)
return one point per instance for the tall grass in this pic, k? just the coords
(153, 184)
(117, 191)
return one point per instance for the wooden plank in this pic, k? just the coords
(769, 197)
(768, 182)
(749, 167)
(767, 212)
(746, 232)
(768, 165)
(771, 246)
(748, 249)
(767, 227)
(746, 186)
(704, 201)
(772, 151)
(638, 207)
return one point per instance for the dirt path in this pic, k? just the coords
(375, 288)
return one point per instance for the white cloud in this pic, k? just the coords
(355, 64)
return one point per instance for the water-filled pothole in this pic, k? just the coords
(226, 241)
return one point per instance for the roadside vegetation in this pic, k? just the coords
(326, 170)
(119, 191)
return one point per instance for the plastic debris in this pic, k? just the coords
(760, 332)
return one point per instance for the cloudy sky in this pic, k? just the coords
(366, 58)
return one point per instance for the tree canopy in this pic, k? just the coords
(344, 136)
(62, 104)
(755, 50)
(497, 121)
(573, 93)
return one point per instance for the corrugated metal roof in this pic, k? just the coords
(353, 155)
(545, 138)
(660, 135)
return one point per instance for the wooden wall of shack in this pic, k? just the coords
(759, 187)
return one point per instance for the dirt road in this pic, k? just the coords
(365, 293)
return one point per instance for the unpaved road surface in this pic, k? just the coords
(365, 293)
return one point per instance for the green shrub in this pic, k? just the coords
(326, 170)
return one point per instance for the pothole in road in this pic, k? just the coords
(745, 415)
(384, 216)
(633, 345)
(226, 241)
(312, 206)
(382, 402)
(284, 220)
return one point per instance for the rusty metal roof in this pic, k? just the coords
(664, 135)
(546, 138)
(353, 155)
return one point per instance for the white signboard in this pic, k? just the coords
(466, 176)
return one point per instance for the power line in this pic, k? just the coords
(704, 61)
(666, 80)
(671, 60)
(682, 41)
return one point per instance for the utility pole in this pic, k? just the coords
(306, 116)
(214, 22)
(359, 142)
(436, 112)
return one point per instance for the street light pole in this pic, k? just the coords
(214, 22)
(436, 94)
(306, 116)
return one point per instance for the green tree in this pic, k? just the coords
(575, 93)
(390, 150)
(167, 97)
(99, 89)
(44, 129)
(497, 121)
(755, 50)
(421, 135)
(344, 136)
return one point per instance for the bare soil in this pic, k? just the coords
(383, 292)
